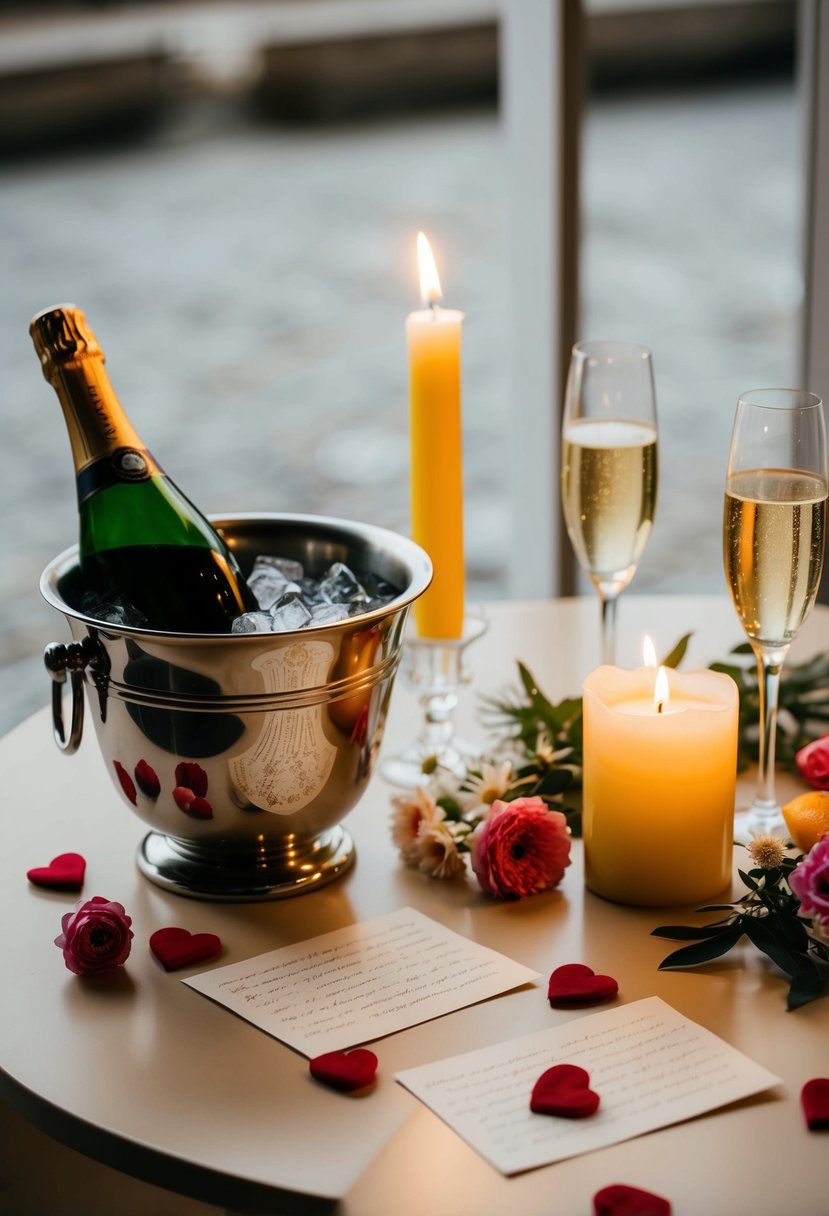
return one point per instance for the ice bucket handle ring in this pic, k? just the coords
(74, 658)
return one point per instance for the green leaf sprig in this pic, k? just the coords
(768, 916)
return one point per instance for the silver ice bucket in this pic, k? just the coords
(242, 752)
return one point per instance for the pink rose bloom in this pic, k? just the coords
(96, 937)
(813, 762)
(810, 883)
(521, 848)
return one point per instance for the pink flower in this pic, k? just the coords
(435, 853)
(810, 883)
(813, 762)
(410, 811)
(96, 937)
(521, 848)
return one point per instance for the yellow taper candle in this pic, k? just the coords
(660, 771)
(433, 337)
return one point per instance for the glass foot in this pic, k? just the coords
(416, 764)
(759, 819)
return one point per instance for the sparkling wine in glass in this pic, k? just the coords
(773, 539)
(609, 467)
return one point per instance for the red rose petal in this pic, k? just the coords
(175, 947)
(127, 783)
(621, 1200)
(345, 1070)
(147, 779)
(564, 1090)
(577, 984)
(63, 873)
(814, 1098)
(192, 776)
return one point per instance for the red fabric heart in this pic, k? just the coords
(564, 1090)
(621, 1200)
(63, 873)
(174, 947)
(576, 984)
(345, 1070)
(814, 1098)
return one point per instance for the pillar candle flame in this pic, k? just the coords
(661, 692)
(648, 652)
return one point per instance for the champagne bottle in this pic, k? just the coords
(142, 542)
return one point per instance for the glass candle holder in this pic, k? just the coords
(435, 668)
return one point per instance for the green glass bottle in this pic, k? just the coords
(142, 542)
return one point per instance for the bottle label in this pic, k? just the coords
(124, 464)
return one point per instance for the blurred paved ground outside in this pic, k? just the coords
(249, 284)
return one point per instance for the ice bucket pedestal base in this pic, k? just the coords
(293, 867)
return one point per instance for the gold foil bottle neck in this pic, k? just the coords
(62, 338)
(73, 363)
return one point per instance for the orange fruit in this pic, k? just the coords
(807, 818)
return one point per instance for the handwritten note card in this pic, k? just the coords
(362, 982)
(650, 1066)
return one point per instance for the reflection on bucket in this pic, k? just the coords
(178, 732)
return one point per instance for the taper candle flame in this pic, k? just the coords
(661, 692)
(648, 652)
(430, 291)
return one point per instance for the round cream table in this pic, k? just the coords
(150, 1077)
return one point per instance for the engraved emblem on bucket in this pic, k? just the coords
(291, 759)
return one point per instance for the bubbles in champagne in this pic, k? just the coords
(608, 493)
(773, 533)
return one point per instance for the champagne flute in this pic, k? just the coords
(773, 537)
(608, 467)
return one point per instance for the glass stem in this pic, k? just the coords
(769, 667)
(439, 725)
(609, 604)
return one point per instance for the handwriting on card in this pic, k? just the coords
(362, 982)
(650, 1065)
